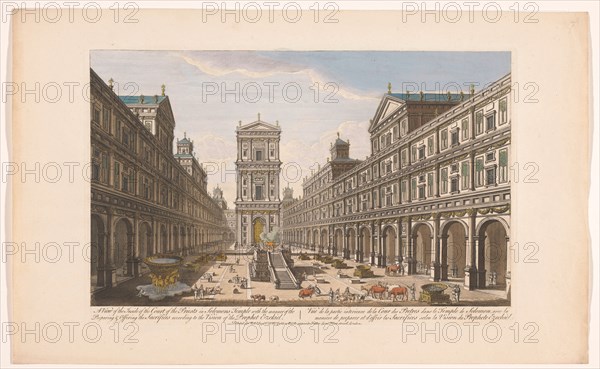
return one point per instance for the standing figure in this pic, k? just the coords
(412, 289)
(331, 294)
(201, 290)
(195, 289)
(456, 293)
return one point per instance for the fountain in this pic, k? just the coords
(164, 271)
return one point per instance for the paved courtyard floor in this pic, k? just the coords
(325, 277)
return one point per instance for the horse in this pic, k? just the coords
(399, 291)
(378, 289)
(395, 269)
(306, 292)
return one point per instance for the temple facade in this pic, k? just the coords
(258, 167)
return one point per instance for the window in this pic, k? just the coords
(413, 153)
(479, 171)
(444, 175)
(259, 192)
(454, 185)
(479, 122)
(503, 162)
(106, 119)
(465, 129)
(97, 116)
(490, 176)
(421, 192)
(259, 155)
(454, 137)
(403, 158)
(429, 184)
(421, 152)
(403, 190)
(490, 156)
(413, 188)
(490, 122)
(503, 111)
(430, 147)
(95, 171)
(117, 176)
(396, 132)
(104, 168)
(464, 175)
(244, 153)
(146, 189)
(444, 139)
(404, 127)
(125, 183)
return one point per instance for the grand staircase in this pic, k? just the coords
(282, 272)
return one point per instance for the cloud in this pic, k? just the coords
(263, 68)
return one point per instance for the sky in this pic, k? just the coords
(313, 95)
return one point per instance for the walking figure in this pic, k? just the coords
(195, 289)
(412, 289)
(456, 293)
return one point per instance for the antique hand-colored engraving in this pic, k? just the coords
(263, 178)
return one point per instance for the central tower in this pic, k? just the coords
(257, 202)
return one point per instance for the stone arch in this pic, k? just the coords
(338, 241)
(389, 235)
(324, 240)
(453, 253)
(422, 236)
(492, 252)
(145, 239)
(123, 246)
(366, 242)
(352, 247)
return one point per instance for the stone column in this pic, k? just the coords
(471, 261)
(436, 265)
(101, 262)
(382, 243)
(481, 271)
(110, 270)
(374, 243)
(411, 242)
(357, 245)
(346, 245)
(398, 244)
(133, 261)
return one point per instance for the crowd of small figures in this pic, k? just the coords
(165, 281)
